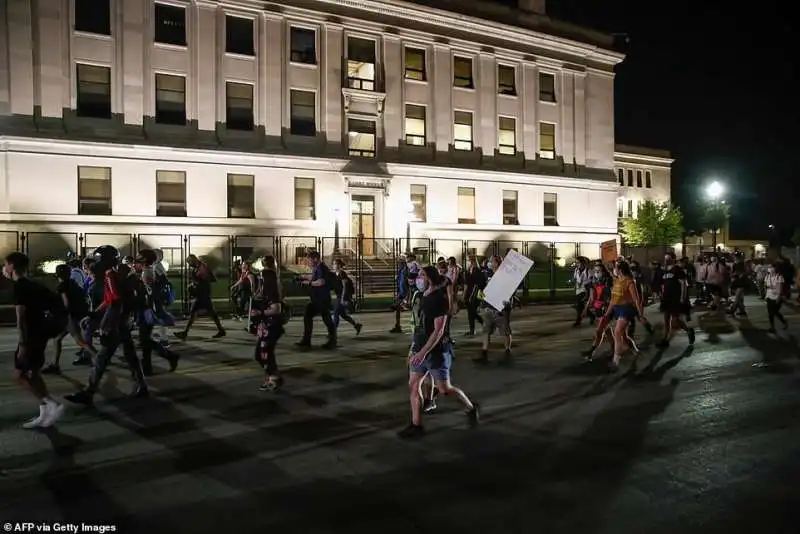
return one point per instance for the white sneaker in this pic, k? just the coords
(53, 413)
(36, 422)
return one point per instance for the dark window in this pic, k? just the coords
(621, 176)
(94, 191)
(303, 113)
(241, 196)
(239, 36)
(94, 91)
(550, 209)
(170, 99)
(170, 25)
(415, 64)
(415, 125)
(361, 138)
(303, 46)
(648, 180)
(630, 178)
(239, 106)
(462, 72)
(171, 193)
(361, 64)
(93, 16)
(510, 207)
(506, 80)
(507, 136)
(638, 178)
(547, 87)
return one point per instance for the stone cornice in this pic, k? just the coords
(627, 157)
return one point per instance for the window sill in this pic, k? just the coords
(237, 55)
(170, 46)
(415, 81)
(302, 65)
(465, 89)
(514, 96)
(91, 35)
(548, 102)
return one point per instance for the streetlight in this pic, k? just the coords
(336, 232)
(411, 210)
(714, 192)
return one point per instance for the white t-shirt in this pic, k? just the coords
(773, 284)
(158, 269)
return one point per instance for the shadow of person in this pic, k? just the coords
(774, 350)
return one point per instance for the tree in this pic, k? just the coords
(656, 223)
(715, 215)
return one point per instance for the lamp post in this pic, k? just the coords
(714, 192)
(410, 209)
(336, 232)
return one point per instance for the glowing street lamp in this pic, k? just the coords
(714, 192)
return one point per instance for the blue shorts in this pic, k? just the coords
(437, 365)
(627, 312)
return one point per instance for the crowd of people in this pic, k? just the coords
(104, 299)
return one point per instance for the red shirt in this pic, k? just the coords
(111, 294)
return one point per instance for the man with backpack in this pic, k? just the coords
(321, 281)
(39, 318)
(114, 313)
(201, 279)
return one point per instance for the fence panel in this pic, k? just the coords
(502, 247)
(9, 242)
(379, 270)
(215, 252)
(174, 260)
(444, 248)
(252, 248)
(88, 242)
(293, 251)
(481, 249)
(341, 248)
(47, 250)
(592, 251)
(564, 260)
(539, 280)
(419, 247)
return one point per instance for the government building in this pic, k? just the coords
(187, 124)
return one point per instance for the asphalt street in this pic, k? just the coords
(680, 441)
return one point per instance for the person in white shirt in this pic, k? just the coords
(715, 280)
(760, 270)
(581, 278)
(774, 284)
(160, 270)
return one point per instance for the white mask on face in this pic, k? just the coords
(420, 283)
(771, 270)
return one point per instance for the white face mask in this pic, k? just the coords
(420, 283)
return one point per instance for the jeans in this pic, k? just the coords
(149, 345)
(472, 312)
(341, 311)
(314, 308)
(108, 346)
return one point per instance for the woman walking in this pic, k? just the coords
(266, 322)
(774, 287)
(625, 307)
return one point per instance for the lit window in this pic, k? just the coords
(462, 130)
(507, 138)
(466, 205)
(415, 125)
(361, 138)
(419, 201)
(550, 209)
(361, 64)
(94, 191)
(304, 199)
(510, 207)
(462, 73)
(415, 64)
(506, 80)
(547, 140)
(241, 196)
(171, 193)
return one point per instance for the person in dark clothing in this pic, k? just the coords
(320, 281)
(673, 300)
(739, 283)
(77, 306)
(691, 280)
(345, 291)
(33, 321)
(596, 306)
(266, 323)
(151, 312)
(200, 280)
(434, 357)
(114, 312)
(475, 281)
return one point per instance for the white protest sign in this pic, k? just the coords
(507, 279)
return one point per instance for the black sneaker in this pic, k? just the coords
(181, 335)
(412, 432)
(691, 333)
(474, 415)
(429, 405)
(219, 334)
(81, 397)
(359, 326)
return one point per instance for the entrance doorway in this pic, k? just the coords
(362, 221)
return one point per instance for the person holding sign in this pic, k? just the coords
(435, 356)
(494, 319)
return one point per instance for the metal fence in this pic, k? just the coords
(373, 262)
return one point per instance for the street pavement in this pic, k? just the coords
(681, 441)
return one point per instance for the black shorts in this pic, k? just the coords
(34, 357)
(714, 289)
(673, 308)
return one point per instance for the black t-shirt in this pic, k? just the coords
(78, 306)
(34, 297)
(269, 293)
(671, 278)
(432, 306)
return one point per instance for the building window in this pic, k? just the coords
(550, 209)
(638, 178)
(415, 64)
(630, 178)
(648, 180)
(620, 212)
(547, 140)
(360, 64)
(170, 99)
(415, 125)
(506, 80)
(94, 191)
(466, 205)
(303, 113)
(93, 16)
(630, 208)
(170, 25)
(304, 199)
(361, 138)
(621, 177)
(239, 106)
(462, 73)
(547, 87)
(303, 44)
(241, 196)
(507, 136)
(94, 91)
(171, 193)
(510, 207)
(462, 130)
(419, 202)
(239, 36)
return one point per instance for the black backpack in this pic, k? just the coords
(55, 314)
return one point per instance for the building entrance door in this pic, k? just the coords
(362, 221)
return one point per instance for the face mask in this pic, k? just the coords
(598, 274)
(420, 283)
(771, 270)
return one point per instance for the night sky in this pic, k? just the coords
(713, 83)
